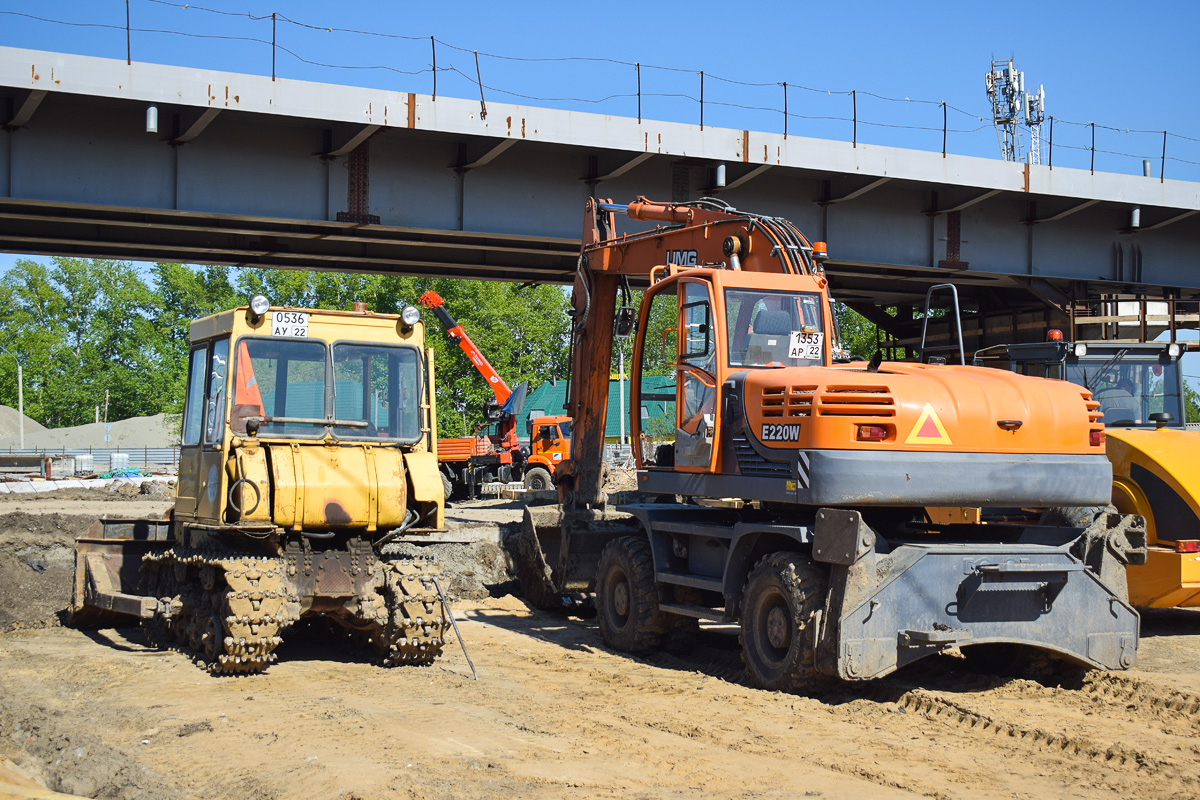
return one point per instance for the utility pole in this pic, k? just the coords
(20, 399)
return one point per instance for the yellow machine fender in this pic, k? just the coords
(425, 483)
(1155, 474)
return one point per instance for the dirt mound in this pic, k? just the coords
(67, 759)
(37, 565)
(469, 571)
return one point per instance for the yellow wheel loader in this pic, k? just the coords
(308, 444)
(1154, 457)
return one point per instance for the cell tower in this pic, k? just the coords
(1012, 107)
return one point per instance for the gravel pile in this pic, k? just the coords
(9, 424)
(159, 430)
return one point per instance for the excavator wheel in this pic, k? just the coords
(537, 479)
(784, 593)
(627, 597)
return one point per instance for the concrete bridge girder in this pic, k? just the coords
(247, 171)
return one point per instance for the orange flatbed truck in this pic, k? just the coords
(468, 461)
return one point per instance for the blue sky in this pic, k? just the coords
(1124, 66)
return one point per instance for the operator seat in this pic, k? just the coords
(770, 339)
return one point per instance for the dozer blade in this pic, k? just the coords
(108, 571)
(558, 551)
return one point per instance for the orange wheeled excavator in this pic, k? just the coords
(795, 495)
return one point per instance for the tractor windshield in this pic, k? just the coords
(379, 386)
(1131, 387)
(767, 328)
(372, 392)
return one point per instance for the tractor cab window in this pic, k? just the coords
(193, 412)
(767, 328)
(214, 404)
(282, 382)
(1130, 388)
(376, 392)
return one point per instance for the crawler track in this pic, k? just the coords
(227, 612)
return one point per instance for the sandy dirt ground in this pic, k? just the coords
(553, 713)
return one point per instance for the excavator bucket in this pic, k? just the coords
(108, 571)
(558, 553)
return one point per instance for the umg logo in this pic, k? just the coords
(681, 258)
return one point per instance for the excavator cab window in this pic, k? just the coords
(655, 378)
(769, 328)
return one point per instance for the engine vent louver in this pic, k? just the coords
(856, 401)
(752, 464)
(787, 402)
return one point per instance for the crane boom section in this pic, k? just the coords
(456, 335)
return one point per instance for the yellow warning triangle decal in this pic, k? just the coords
(929, 429)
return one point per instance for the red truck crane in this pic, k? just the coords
(471, 460)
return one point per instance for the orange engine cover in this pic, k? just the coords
(920, 407)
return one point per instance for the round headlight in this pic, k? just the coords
(259, 304)
(410, 315)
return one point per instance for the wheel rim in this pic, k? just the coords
(621, 600)
(779, 628)
(773, 629)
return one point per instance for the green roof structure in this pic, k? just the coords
(548, 400)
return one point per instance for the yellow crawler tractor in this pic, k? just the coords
(308, 445)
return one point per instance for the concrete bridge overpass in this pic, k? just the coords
(249, 171)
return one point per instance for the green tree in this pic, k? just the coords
(858, 334)
(1191, 402)
(83, 327)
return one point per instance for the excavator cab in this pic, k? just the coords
(683, 356)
